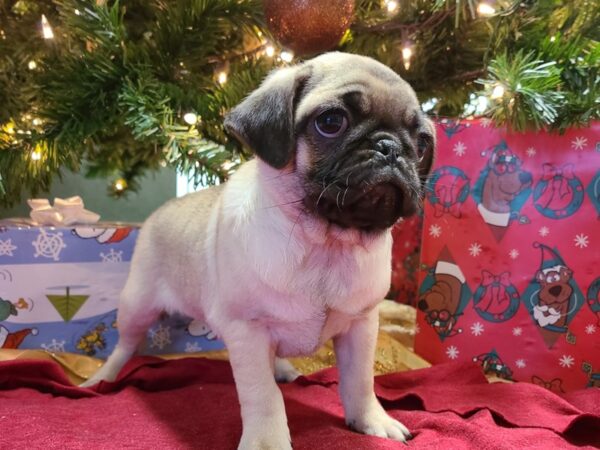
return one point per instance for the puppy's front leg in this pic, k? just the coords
(252, 356)
(355, 354)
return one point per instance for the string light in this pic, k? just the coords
(190, 118)
(47, 32)
(553, 38)
(36, 154)
(37, 122)
(407, 53)
(391, 6)
(77, 12)
(269, 51)
(486, 9)
(120, 185)
(222, 77)
(497, 92)
(286, 56)
(32, 65)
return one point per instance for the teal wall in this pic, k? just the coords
(155, 189)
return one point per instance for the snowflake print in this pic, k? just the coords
(566, 361)
(517, 331)
(477, 329)
(590, 329)
(459, 149)
(192, 347)
(486, 122)
(417, 328)
(514, 253)
(452, 352)
(474, 249)
(579, 143)
(544, 231)
(112, 256)
(435, 230)
(160, 337)
(581, 241)
(531, 152)
(54, 346)
(7, 247)
(520, 363)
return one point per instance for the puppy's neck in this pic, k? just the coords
(282, 189)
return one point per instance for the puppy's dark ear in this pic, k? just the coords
(427, 144)
(264, 121)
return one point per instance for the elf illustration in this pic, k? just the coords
(443, 296)
(501, 189)
(491, 363)
(93, 340)
(496, 299)
(15, 339)
(447, 189)
(103, 235)
(553, 298)
(559, 193)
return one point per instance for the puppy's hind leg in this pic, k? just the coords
(133, 320)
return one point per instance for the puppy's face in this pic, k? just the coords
(351, 129)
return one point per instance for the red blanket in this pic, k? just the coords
(191, 403)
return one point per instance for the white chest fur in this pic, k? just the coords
(305, 280)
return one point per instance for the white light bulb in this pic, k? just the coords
(286, 56)
(269, 51)
(553, 38)
(32, 65)
(406, 56)
(77, 12)
(392, 6)
(37, 121)
(498, 91)
(46, 28)
(190, 118)
(36, 155)
(222, 77)
(485, 9)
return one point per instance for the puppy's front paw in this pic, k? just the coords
(266, 436)
(376, 422)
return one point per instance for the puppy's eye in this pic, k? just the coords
(331, 124)
(423, 143)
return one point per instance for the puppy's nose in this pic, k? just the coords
(388, 148)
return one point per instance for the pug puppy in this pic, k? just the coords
(295, 248)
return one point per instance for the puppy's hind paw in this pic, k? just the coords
(378, 423)
(285, 372)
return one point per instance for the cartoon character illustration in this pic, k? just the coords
(593, 377)
(552, 298)
(491, 363)
(501, 189)
(443, 296)
(593, 190)
(496, 299)
(103, 235)
(93, 340)
(593, 298)
(554, 385)
(452, 127)
(15, 339)
(559, 193)
(199, 328)
(447, 189)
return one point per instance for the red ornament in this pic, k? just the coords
(308, 26)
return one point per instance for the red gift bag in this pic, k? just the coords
(510, 273)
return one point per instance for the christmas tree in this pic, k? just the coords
(129, 86)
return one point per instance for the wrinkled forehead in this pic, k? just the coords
(370, 89)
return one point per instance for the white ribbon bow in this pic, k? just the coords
(65, 212)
